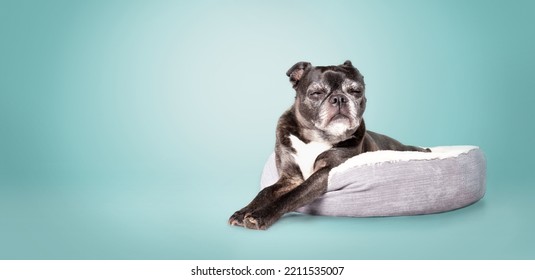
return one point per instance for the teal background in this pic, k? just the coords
(134, 129)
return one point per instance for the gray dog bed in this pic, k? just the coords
(392, 183)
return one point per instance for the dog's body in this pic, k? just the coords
(320, 131)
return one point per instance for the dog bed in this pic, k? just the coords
(394, 183)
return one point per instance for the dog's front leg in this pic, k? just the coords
(305, 193)
(265, 197)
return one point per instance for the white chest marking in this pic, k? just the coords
(306, 154)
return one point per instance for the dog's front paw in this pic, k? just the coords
(254, 221)
(237, 218)
(261, 219)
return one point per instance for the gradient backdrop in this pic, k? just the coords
(134, 129)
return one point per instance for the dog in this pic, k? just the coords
(322, 129)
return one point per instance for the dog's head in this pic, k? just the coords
(329, 99)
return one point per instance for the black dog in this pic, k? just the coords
(320, 131)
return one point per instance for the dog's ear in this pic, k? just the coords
(296, 72)
(348, 63)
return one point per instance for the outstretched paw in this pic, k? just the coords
(252, 221)
(237, 218)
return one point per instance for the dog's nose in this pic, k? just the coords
(338, 99)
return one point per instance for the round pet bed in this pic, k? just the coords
(393, 183)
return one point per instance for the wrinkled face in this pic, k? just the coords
(331, 99)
